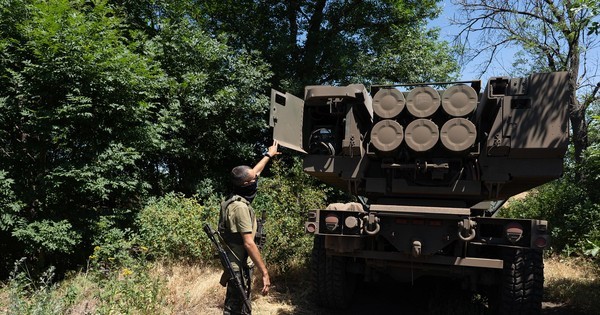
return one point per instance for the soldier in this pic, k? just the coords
(238, 225)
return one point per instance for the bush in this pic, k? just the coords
(571, 215)
(125, 289)
(114, 247)
(130, 290)
(30, 296)
(73, 85)
(171, 227)
(571, 206)
(286, 197)
(118, 274)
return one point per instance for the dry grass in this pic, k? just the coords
(516, 197)
(4, 298)
(195, 289)
(87, 289)
(570, 284)
(572, 287)
(192, 289)
(573, 281)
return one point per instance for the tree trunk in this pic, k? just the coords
(579, 127)
(576, 110)
(311, 48)
(293, 9)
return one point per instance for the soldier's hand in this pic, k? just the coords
(266, 283)
(273, 149)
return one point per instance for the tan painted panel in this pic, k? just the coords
(286, 118)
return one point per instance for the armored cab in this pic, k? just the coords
(425, 161)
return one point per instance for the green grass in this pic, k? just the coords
(126, 290)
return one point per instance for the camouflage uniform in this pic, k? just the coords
(237, 216)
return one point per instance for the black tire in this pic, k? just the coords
(522, 283)
(332, 285)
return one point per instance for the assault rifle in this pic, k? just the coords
(216, 238)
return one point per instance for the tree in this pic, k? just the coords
(555, 35)
(76, 111)
(221, 108)
(304, 42)
(96, 114)
(105, 102)
(217, 92)
(309, 42)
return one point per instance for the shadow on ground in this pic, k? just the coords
(425, 297)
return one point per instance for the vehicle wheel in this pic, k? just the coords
(333, 286)
(522, 284)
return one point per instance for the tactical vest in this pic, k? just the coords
(224, 229)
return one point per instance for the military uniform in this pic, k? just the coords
(237, 216)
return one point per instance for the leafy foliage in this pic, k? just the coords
(9, 218)
(31, 296)
(129, 288)
(54, 236)
(106, 103)
(114, 247)
(218, 95)
(571, 205)
(95, 116)
(332, 41)
(414, 56)
(171, 227)
(571, 214)
(286, 197)
(76, 107)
